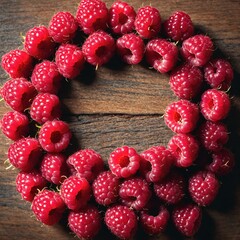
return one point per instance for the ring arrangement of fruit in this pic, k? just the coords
(130, 190)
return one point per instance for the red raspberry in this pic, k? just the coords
(86, 164)
(219, 74)
(155, 163)
(98, 48)
(148, 22)
(197, 50)
(28, 184)
(121, 18)
(186, 81)
(187, 218)
(70, 60)
(85, 223)
(131, 48)
(18, 93)
(25, 154)
(46, 78)
(17, 63)
(203, 187)
(181, 116)
(48, 207)
(75, 192)
(184, 148)
(121, 221)
(215, 105)
(179, 26)
(45, 107)
(124, 162)
(54, 136)
(15, 125)
(105, 188)
(92, 15)
(62, 27)
(38, 43)
(161, 55)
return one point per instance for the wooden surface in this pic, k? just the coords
(123, 105)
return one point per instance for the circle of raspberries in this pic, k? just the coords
(134, 190)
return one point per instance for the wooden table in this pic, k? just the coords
(122, 105)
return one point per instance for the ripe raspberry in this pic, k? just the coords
(45, 107)
(215, 105)
(92, 15)
(181, 116)
(187, 218)
(18, 93)
(54, 136)
(46, 78)
(62, 27)
(155, 163)
(186, 81)
(105, 188)
(15, 125)
(124, 162)
(98, 48)
(121, 18)
(17, 63)
(219, 74)
(148, 22)
(131, 48)
(121, 221)
(184, 148)
(48, 207)
(197, 50)
(161, 55)
(179, 26)
(38, 43)
(25, 154)
(70, 60)
(86, 164)
(85, 223)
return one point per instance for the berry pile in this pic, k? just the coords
(148, 189)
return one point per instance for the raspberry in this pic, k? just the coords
(28, 184)
(70, 60)
(124, 162)
(15, 125)
(25, 153)
(86, 164)
(48, 207)
(148, 22)
(46, 78)
(184, 148)
(54, 136)
(75, 192)
(92, 15)
(121, 221)
(161, 55)
(45, 107)
(181, 116)
(85, 223)
(17, 63)
(155, 163)
(62, 27)
(186, 81)
(131, 48)
(215, 105)
(105, 188)
(179, 26)
(121, 18)
(197, 50)
(38, 43)
(98, 48)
